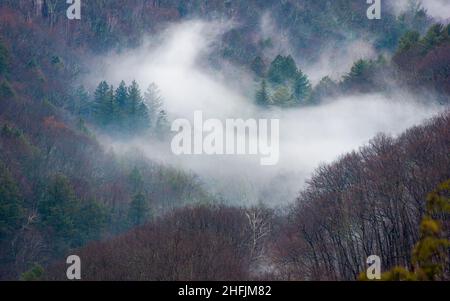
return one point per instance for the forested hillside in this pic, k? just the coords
(368, 201)
(63, 190)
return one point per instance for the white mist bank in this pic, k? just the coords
(308, 136)
(438, 9)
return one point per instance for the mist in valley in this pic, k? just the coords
(177, 62)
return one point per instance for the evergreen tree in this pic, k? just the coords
(262, 95)
(434, 37)
(302, 87)
(35, 273)
(154, 102)
(80, 104)
(4, 58)
(121, 102)
(360, 76)
(58, 209)
(282, 96)
(103, 104)
(258, 66)
(282, 69)
(143, 117)
(90, 221)
(139, 211)
(136, 116)
(408, 40)
(135, 180)
(11, 204)
(325, 88)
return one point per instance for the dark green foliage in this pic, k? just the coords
(11, 204)
(123, 110)
(135, 181)
(282, 69)
(258, 66)
(35, 273)
(302, 88)
(80, 103)
(103, 104)
(136, 115)
(262, 95)
(325, 88)
(10, 132)
(90, 220)
(6, 90)
(365, 76)
(435, 36)
(423, 62)
(410, 39)
(58, 209)
(4, 59)
(289, 86)
(139, 211)
(121, 100)
(72, 221)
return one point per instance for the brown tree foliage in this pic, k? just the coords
(369, 202)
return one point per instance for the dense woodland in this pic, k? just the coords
(132, 219)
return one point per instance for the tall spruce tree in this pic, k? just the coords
(302, 88)
(121, 102)
(139, 211)
(154, 102)
(103, 104)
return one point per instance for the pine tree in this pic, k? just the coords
(154, 102)
(11, 209)
(80, 102)
(143, 118)
(139, 211)
(103, 104)
(262, 96)
(302, 87)
(121, 102)
(282, 69)
(282, 96)
(58, 209)
(133, 114)
(258, 66)
(325, 88)
(135, 180)
(4, 59)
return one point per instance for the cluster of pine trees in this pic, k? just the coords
(126, 110)
(283, 84)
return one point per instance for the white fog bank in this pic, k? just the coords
(308, 136)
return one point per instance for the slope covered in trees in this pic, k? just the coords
(370, 201)
(60, 189)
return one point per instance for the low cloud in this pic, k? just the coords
(438, 9)
(308, 136)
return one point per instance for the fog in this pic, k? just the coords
(438, 9)
(176, 62)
